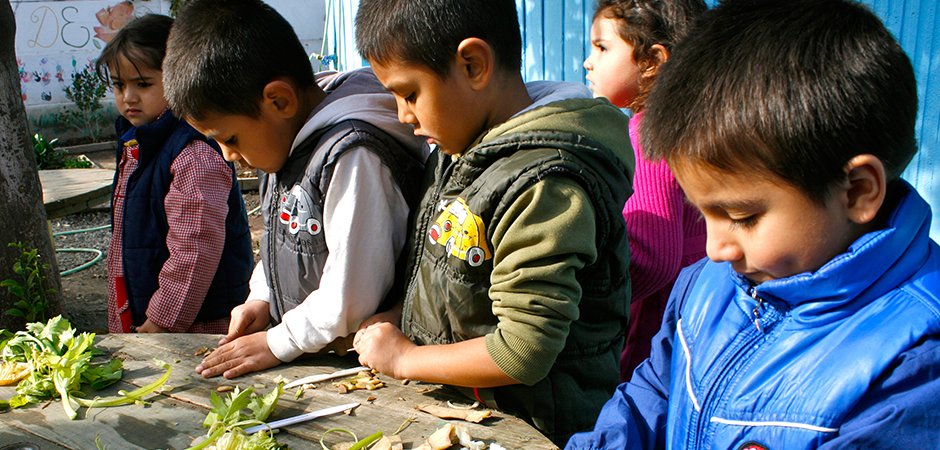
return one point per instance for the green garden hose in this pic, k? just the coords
(98, 253)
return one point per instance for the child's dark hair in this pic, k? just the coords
(142, 42)
(645, 23)
(789, 88)
(427, 32)
(222, 53)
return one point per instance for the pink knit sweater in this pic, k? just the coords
(666, 234)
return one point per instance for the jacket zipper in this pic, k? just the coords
(272, 240)
(443, 174)
(756, 313)
(745, 348)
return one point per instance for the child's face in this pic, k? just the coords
(444, 110)
(263, 143)
(767, 229)
(612, 71)
(137, 94)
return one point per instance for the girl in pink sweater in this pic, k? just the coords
(630, 41)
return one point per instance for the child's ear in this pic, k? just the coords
(865, 187)
(280, 98)
(658, 56)
(476, 62)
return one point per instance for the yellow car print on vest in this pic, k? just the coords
(461, 233)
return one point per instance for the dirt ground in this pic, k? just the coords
(85, 292)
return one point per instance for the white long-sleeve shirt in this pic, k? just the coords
(370, 213)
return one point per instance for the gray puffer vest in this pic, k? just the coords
(294, 250)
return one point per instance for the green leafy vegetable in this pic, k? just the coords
(67, 368)
(100, 377)
(59, 362)
(263, 405)
(226, 421)
(132, 396)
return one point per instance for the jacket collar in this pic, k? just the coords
(874, 264)
(148, 136)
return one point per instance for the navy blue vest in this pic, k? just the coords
(145, 225)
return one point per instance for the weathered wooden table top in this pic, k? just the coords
(174, 418)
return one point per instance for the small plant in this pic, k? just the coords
(47, 157)
(86, 91)
(81, 162)
(32, 303)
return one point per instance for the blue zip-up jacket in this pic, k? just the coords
(844, 357)
(145, 224)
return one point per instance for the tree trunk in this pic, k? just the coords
(22, 214)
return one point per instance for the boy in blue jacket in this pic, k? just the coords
(815, 323)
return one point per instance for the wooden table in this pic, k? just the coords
(173, 419)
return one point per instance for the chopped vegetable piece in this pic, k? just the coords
(448, 435)
(388, 443)
(440, 439)
(362, 380)
(448, 413)
(13, 371)
(358, 445)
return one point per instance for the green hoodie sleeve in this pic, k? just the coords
(545, 237)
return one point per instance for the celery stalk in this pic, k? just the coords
(131, 396)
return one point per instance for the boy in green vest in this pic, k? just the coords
(516, 286)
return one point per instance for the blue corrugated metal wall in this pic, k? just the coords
(556, 39)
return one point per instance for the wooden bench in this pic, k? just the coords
(68, 191)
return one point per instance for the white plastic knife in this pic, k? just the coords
(328, 376)
(302, 417)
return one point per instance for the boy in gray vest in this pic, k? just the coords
(337, 173)
(517, 285)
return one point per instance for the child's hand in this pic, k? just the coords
(247, 318)
(392, 316)
(243, 355)
(150, 327)
(340, 346)
(383, 347)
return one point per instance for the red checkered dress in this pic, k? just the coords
(196, 207)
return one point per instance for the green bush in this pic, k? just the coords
(86, 91)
